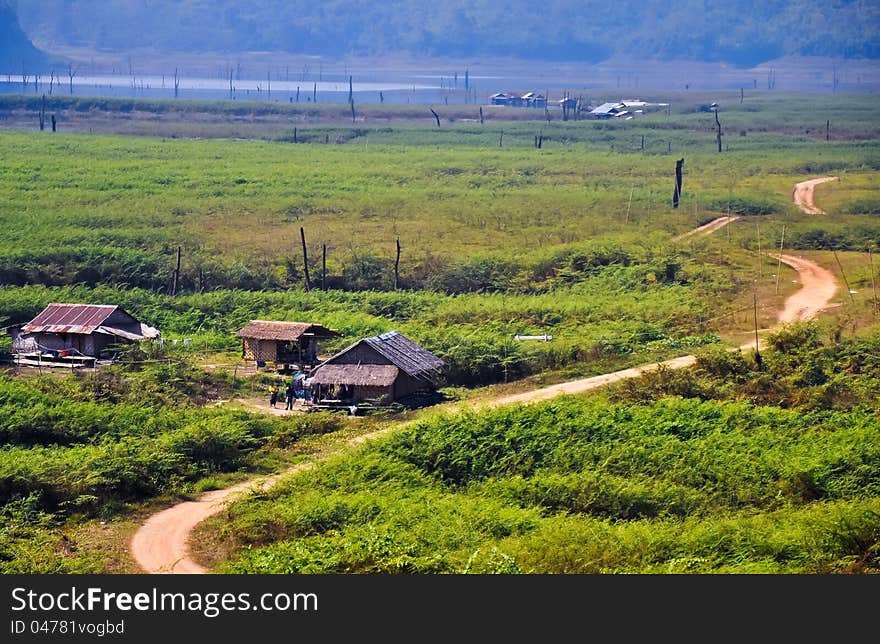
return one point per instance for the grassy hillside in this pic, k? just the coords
(709, 483)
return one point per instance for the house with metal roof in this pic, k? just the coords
(387, 368)
(78, 331)
(284, 343)
(609, 110)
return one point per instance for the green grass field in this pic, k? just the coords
(744, 472)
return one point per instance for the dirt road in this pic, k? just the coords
(803, 195)
(161, 545)
(711, 227)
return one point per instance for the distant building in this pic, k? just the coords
(609, 110)
(386, 367)
(531, 99)
(77, 333)
(501, 98)
(284, 343)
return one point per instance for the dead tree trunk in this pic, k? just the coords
(302, 234)
(436, 116)
(53, 122)
(71, 72)
(501, 139)
(397, 265)
(323, 267)
(43, 113)
(481, 115)
(176, 274)
(350, 94)
(315, 93)
(353, 114)
(176, 82)
(676, 196)
(717, 130)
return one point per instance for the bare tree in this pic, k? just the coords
(436, 116)
(676, 195)
(71, 73)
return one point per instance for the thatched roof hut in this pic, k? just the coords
(388, 366)
(283, 342)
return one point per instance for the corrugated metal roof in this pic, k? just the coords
(287, 331)
(70, 318)
(85, 319)
(364, 375)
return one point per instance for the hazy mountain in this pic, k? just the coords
(742, 32)
(17, 53)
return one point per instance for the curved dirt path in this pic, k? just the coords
(161, 544)
(711, 227)
(803, 195)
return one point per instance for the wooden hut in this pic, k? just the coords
(77, 333)
(285, 343)
(384, 368)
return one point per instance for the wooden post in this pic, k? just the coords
(718, 130)
(873, 285)
(53, 122)
(501, 139)
(629, 203)
(481, 114)
(302, 234)
(840, 266)
(436, 116)
(828, 130)
(397, 265)
(779, 263)
(676, 195)
(643, 141)
(757, 344)
(760, 262)
(176, 274)
(294, 135)
(323, 267)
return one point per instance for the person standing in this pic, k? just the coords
(273, 395)
(289, 395)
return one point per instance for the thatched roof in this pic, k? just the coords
(285, 331)
(401, 352)
(369, 375)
